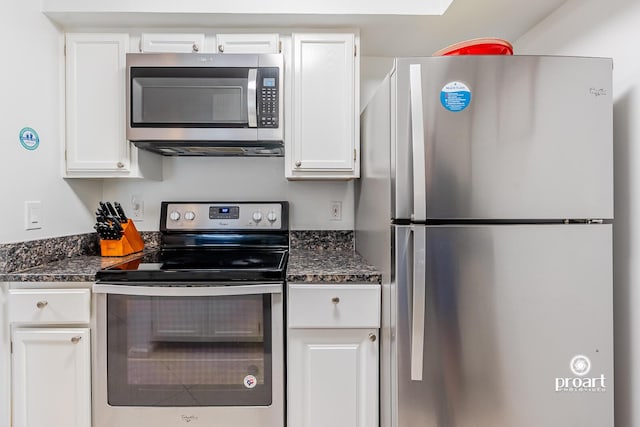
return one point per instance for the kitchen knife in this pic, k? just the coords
(103, 208)
(111, 209)
(117, 227)
(121, 214)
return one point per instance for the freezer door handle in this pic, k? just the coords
(419, 301)
(417, 144)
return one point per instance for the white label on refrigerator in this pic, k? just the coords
(580, 366)
(455, 96)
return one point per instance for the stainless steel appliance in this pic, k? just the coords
(193, 333)
(496, 175)
(189, 104)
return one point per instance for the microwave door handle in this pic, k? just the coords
(252, 111)
(188, 291)
(417, 144)
(418, 318)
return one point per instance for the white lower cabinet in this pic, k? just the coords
(50, 357)
(5, 357)
(51, 377)
(332, 366)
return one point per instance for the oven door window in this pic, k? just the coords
(189, 97)
(189, 351)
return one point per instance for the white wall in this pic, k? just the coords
(236, 179)
(31, 95)
(611, 29)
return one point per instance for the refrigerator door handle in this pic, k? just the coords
(419, 301)
(417, 144)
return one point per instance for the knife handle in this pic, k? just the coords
(121, 214)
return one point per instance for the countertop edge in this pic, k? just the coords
(305, 266)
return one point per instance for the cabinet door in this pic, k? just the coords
(333, 377)
(166, 42)
(5, 359)
(247, 43)
(95, 103)
(325, 107)
(51, 377)
(96, 142)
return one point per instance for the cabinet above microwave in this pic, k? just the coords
(205, 104)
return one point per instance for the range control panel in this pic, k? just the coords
(224, 216)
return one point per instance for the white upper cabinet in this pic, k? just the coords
(247, 43)
(96, 144)
(323, 141)
(169, 42)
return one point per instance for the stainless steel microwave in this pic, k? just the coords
(205, 104)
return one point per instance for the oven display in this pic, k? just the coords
(224, 212)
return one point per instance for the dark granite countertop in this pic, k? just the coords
(305, 265)
(327, 266)
(81, 268)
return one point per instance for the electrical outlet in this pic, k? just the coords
(335, 211)
(137, 208)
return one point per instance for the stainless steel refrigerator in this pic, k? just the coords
(486, 200)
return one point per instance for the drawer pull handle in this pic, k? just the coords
(41, 304)
(76, 340)
(335, 300)
(372, 337)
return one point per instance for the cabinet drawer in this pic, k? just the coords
(340, 306)
(49, 305)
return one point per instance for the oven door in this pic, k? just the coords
(212, 354)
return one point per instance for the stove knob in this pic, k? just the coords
(175, 215)
(189, 216)
(271, 216)
(257, 216)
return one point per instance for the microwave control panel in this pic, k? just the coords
(268, 97)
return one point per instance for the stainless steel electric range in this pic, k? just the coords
(193, 333)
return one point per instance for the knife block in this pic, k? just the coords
(130, 242)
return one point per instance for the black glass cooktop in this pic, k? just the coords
(201, 265)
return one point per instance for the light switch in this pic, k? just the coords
(33, 215)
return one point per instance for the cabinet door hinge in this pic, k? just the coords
(354, 154)
(279, 46)
(64, 50)
(11, 347)
(355, 50)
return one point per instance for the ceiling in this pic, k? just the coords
(381, 35)
(465, 19)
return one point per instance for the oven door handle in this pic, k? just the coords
(189, 291)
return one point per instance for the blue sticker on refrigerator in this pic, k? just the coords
(455, 96)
